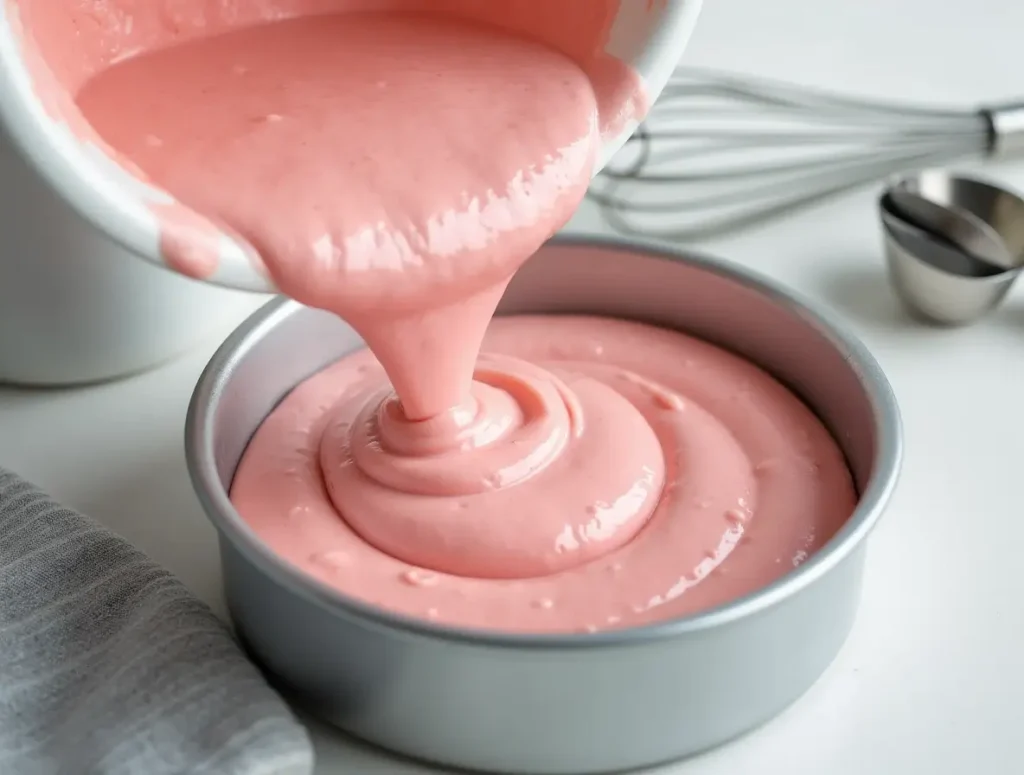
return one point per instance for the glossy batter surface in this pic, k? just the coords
(664, 476)
(393, 168)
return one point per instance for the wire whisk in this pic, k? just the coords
(720, 152)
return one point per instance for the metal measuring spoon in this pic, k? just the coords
(954, 246)
(961, 229)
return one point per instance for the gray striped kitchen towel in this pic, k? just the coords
(109, 666)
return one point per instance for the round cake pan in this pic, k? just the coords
(556, 704)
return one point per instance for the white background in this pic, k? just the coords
(931, 678)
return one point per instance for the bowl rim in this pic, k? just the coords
(888, 455)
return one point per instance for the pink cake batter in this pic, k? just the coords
(396, 168)
(664, 476)
(66, 43)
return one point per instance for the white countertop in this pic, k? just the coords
(931, 678)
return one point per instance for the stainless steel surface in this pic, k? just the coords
(556, 704)
(938, 283)
(932, 248)
(999, 207)
(954, 246)
(962, 229)
(721, 151)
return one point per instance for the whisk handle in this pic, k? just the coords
(1005, 129)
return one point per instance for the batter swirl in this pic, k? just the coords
(605, 474)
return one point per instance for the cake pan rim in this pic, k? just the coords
(887, 459)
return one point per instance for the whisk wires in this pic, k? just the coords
(721, 151)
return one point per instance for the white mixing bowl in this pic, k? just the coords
(649, 35)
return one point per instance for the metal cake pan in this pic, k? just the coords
(556, 704)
